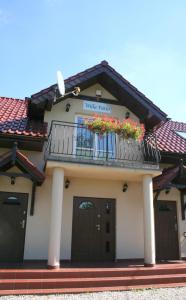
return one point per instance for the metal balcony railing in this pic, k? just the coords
(75, 142)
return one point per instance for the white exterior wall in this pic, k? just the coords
(91, 91)
(37, 227)
(129, 214)
(59, 110)
(37, 233)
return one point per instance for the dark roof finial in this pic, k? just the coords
(104, 63)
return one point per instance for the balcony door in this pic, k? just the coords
(93, 145)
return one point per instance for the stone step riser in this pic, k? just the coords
(90, 283)
(88, 274)
(86, 290)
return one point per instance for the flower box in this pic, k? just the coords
(125, 129)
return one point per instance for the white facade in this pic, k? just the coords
(129, 215)
(98, 182)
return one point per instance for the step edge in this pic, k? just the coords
(88, 289)
(75, 279)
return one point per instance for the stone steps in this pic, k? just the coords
(79, 280)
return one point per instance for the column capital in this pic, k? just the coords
(60, 169)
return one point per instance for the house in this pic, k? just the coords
(69, 194)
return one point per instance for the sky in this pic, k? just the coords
(144, 40)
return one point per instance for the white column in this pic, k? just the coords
(56, 218)
(149, 230)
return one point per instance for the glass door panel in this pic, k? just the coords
(89, 144)
(84, 140)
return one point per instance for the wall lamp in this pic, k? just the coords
(67, 183)
(12, 180)
(125, 187)
(98, 94)
(167, 190)
(127, 115)
(67, 107)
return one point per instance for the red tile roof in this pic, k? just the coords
(168, 140)
(14, 119)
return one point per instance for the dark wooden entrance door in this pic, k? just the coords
(13, 213)
(93, 230)
(166, 229)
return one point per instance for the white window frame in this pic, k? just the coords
(95, 150)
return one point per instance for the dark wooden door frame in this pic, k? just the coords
(23, 252)
(27, 199)
(177, 222)
(89, 199)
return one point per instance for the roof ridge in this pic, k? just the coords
(11, 98)
(66, 80)
(86, 70)
(178, 122)
(44, 90)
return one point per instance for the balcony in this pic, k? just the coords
(72, 142)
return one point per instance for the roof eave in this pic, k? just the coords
(155, 115)
(24, 142)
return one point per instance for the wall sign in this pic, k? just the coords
(97, 107)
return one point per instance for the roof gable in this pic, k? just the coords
(15, 158)
(172, 176)
(105, 94)
(116, 84)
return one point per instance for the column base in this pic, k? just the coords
(53, 267)
(149, 265)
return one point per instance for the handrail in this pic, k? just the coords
(75, 141)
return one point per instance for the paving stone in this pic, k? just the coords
(152, 294)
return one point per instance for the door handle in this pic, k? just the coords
(176, 227)
(22, 224)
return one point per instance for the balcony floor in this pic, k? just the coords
(103, 162)
(109, 170)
